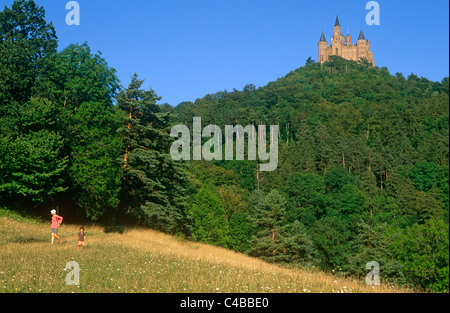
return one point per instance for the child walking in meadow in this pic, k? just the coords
(81, 238)
(56, 222)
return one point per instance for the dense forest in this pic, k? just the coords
(363, 169)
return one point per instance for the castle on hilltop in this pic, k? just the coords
(343, 47)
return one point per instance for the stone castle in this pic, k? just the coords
(343, 46)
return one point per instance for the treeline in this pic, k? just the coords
(362, 173)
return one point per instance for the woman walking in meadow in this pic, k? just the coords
(56, 222)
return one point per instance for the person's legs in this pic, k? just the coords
(57, 237)
(55, 234)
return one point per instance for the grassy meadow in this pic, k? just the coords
(144, 261)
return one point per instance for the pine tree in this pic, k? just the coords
(373, 243)
(154, 185)
(268, 218)
(298, 247)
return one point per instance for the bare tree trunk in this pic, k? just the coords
(381, 181)
(257, 176)
(287, 134)
(253, 129)
(273, 241)
(127, 150)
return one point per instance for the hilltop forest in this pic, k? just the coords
(363, 170)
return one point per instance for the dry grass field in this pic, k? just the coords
(145, 261)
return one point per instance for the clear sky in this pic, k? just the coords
(185, 49)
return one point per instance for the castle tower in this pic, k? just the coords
(348, 39)
(363, 48)
(323, 44)
(337, 41)
(337, 28)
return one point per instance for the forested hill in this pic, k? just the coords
(362, 173)
(340, 114)
(349, 100)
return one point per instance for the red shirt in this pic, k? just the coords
(55, 220)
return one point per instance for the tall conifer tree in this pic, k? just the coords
(154, 185)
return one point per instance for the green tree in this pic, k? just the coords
(240, 231)
(209, 221)
(298, 246)
(351, 200)
(95, 174)
(338, 178)
(429, 205)
(268, 218)
(79, 76)
(33, 163)
(423, 175)
(305, 194)
(232, 198)
(435, 148)
(31, 145)
(309, 61)
(332, 237)
(154, 185)
(83, 87)
(424, 252)
(27, 42)
(374, 243)
(245, 171)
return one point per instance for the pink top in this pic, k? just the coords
(55, 220)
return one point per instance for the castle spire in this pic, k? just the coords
(361, 36)
(322, 38)
(337, 21)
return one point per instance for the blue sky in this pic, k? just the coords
(187, 48)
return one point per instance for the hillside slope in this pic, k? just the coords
(142, 260)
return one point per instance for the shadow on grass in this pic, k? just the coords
(114, 229)
(22, 239)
